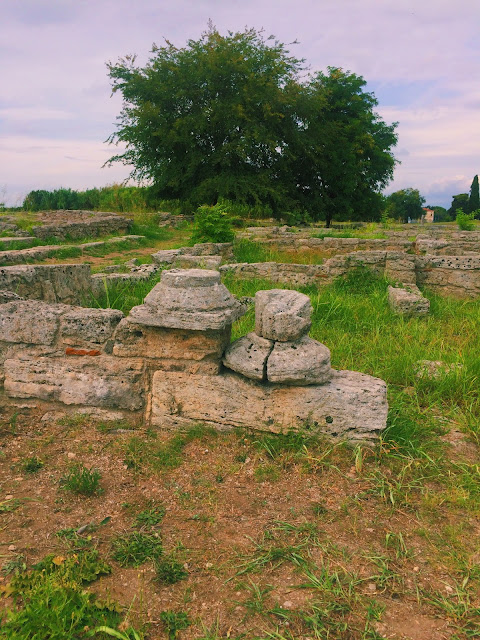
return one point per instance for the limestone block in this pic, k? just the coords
(400, 267)
(67, 283)
(281, 314)
(172, 349)
(188, 299)
(166, 256)
(407, 302)
(103, 381)
(29, 321)
(299, 363)
(224, 249)
(350, 406)
(89, 325)
(8, 296)
(198, 262)
(248, 356)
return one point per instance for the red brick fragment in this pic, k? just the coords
(69, 351)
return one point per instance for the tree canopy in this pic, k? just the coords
(235, 117)
(474, 197)
(405, 204)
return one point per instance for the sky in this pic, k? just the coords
(421, 59)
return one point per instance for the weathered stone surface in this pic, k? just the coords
(248, 356)
(166, 256)
(188, 299)
(299, 363)
(456, 276)
(104, 382)
(400, 267)
(68, 283)
(9, 296)
(83, 224)
(281, 314)
(407, 302)
(198, 262)
(28, 321)
(436, 368)
(172, 349)
(80, 325)
(350, 406)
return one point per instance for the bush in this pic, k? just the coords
(465, 221)
(212, 224)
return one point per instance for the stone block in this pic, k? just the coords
(281, 314)
(248, 356)
(188, 299)
(29, 322)
(198, 262)
(104, 382)
(350, 406)
(407, 302)
(166, 256)
(299, 363)
(172, 349)
(80, 325)
(66, 283)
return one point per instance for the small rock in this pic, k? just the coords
(372, 587)
(288, 604)
(208, 565)
(448, 589)
(12, 547)
(369, 529)
(71, 455)
(416, 569)
(8, 497)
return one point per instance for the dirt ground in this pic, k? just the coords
(226, 503)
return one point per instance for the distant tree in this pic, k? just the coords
(460, 201)
(474, 198)
(230, 118)
(405, 204)
(441, 214)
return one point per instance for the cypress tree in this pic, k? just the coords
(474, 199)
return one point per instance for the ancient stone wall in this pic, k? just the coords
(165, 362)
(86, 224)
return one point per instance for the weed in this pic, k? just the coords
(82, 481)
(135, 548)
(174, 622)
(10, 505)
(32, 465)
(256, 602)
(151, 516)
(267, 473)
(14, 565)
(50, 600)
(168, 570)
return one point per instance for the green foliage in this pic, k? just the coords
(51, 603)
(239, 121)
(32, 465)
(174, 622)
(212, 224)
(169, 570)
(135, 548)
(460, 201)
(151, 516)
(405, 204)
(474, 197)
(82, 481)
(465, 221)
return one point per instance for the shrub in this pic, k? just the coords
(212, 224)
(465, 221)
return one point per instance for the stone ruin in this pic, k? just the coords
(170, 362)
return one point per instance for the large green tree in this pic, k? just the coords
(232, 117)
(460, 201)
(405, 204)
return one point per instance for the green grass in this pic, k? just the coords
(135, 548)
(82, 481)
(50, 600)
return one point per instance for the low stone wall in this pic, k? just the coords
(85, 224)
(455, 276)
(68, 283)
(163, 363)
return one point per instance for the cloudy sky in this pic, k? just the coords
(421, 58)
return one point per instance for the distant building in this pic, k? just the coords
(428, 215)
